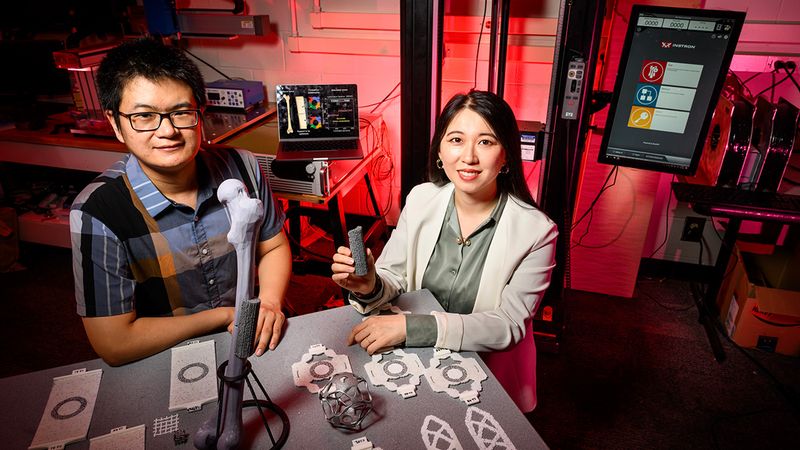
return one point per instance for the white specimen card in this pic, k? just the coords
(193, 378)
(69, 409)
(120, 438)
(682, 74)
(671, 97)
(669, 120)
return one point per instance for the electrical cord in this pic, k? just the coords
(790, 74)
(742, 84)
(772, 86)
(666, 224)
(614, 170)
(707, 247)
(585, 232)
(387, 173)
(384, 158)
(579, 242)
(206, 63)
(377, 104)
(772, 91)
(478, 50)
(663, 305)
(300, 246)
(615, 238)
(700, 257)
(752, 77)
(733, 253)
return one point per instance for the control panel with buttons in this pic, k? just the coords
(572, 93)
(240, 94)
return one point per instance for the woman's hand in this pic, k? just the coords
(343, 272)
(379, 332)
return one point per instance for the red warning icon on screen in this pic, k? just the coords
(652, 71)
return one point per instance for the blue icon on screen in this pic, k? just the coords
(646, 95)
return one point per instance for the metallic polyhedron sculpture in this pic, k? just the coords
(346, 401)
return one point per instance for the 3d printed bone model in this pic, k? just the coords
(245, 214)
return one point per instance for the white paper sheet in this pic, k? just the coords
(69, 409)
(193, 378)
(122, 438)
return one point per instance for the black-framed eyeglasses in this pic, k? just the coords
(150, 121)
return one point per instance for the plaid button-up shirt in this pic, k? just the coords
(134, 249)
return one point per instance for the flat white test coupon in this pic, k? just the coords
(193, 378)
(127, 438)
(69, 409)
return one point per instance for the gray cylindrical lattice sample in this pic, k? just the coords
(248, 319)
(359, 251)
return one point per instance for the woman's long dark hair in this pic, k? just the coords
(498, 114)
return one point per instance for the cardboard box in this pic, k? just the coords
(733, 273)
(764, 309)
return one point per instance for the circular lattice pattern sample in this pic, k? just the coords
(321, 375)
(396, 368)
(55, 413)
(454, 373)
(191, 379)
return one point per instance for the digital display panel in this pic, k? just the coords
(673, 65)
(317, 110)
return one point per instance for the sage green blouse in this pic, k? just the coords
(454, 271)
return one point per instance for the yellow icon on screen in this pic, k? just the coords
(640, 117)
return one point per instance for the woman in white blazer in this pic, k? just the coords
(475, 238)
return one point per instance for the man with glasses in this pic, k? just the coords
(151, 261)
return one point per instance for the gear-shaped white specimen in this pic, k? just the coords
(381, 371)
(462, 370)
(486, 431)
(306, 371)
(436, 431)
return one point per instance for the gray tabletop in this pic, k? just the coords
(138, 393)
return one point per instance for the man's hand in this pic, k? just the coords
(379, 332)
(123, 338)
(270, 325)
(274, 270)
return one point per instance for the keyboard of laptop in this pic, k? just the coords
(739, 202)
(319, 145)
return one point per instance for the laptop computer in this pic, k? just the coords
(318, 122)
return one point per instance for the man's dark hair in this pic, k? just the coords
(500, 118)
(150, 59)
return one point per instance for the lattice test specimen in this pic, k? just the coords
(346, 401)
(439, 435)
(445, 378)
(486, 431)
(383, 371)
(358, 251)
(308, 372)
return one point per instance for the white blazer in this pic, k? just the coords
(514, 278)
